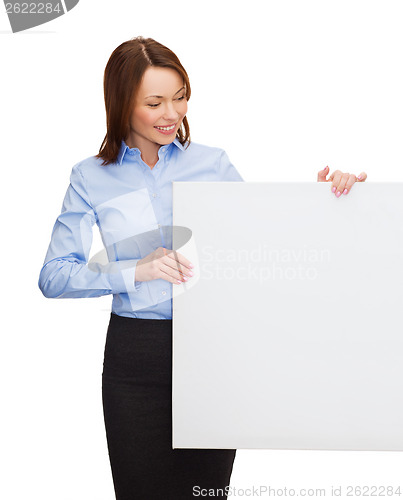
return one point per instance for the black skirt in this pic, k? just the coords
(137, 405)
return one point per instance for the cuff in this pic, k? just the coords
(122, 281)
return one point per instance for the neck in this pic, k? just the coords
(149, 150)
(149, 158)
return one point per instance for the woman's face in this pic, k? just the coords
(159, 109)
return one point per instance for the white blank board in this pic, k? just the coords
(290, 334)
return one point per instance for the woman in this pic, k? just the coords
(126, 191)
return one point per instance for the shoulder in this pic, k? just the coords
(210, 155)
(89, 177)
(88, 164)
(88, 168)
(196, 148)
(205, 163)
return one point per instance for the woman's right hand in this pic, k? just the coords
(164, 264)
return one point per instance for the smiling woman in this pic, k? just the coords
(126, 189)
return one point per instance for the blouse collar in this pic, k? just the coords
(132, 152)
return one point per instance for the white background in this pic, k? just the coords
(285, 87)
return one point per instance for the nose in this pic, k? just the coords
(170, 113)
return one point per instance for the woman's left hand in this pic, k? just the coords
(341, 182)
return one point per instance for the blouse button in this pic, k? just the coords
(164, 292)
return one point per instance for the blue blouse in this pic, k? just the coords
(124, 199)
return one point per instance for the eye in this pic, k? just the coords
(153, 105)
(181, 98)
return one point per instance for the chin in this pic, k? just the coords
(163, 141)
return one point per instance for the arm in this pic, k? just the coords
(226, 170)
(65, 273)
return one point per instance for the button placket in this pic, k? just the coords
(161, 156)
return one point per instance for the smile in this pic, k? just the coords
(171, 127)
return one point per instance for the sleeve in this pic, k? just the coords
(226, 170)
(65, 272)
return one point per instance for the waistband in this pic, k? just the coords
(125, 323)
(127, 319)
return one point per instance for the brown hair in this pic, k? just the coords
(123, 75)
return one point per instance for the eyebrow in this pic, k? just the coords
(161, 97)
